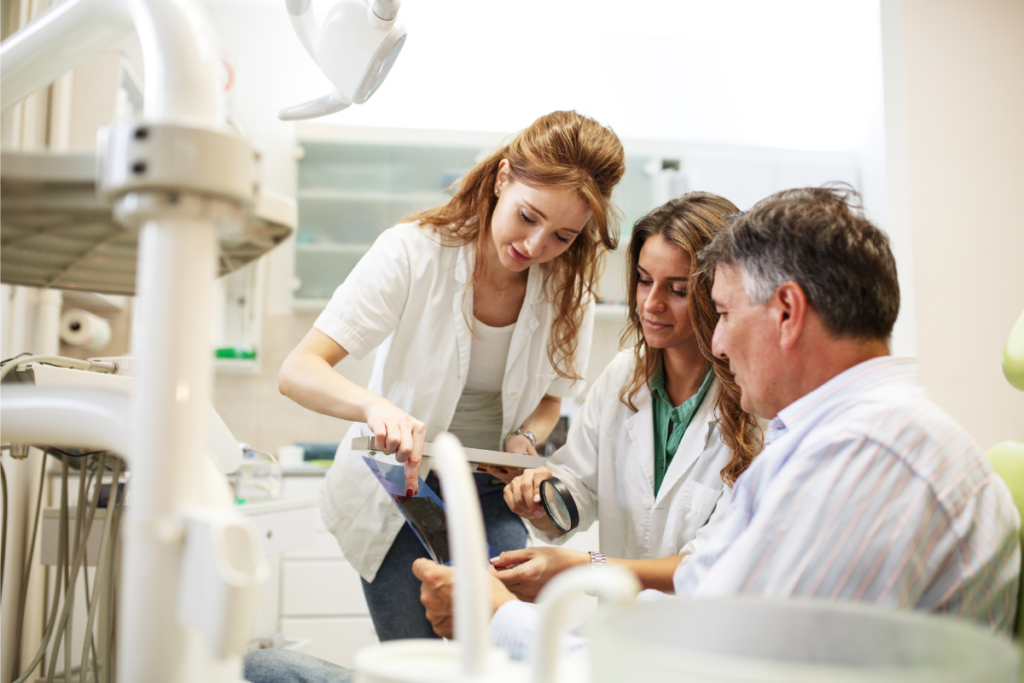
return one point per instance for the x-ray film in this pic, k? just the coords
(424, 511)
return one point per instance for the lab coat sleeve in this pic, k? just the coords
(368, 305)
(576, 463)
(514, 625)
(564, 388)
(709, 528)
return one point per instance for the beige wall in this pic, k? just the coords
(954, 86)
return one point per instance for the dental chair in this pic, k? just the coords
(1007, 458)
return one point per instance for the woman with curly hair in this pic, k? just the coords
(661, 438)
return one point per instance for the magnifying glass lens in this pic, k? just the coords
(559, 504)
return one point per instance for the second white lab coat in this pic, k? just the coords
(608, 465)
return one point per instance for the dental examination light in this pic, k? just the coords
(355, 48)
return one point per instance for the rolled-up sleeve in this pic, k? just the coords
(576, 463)
(368, 305)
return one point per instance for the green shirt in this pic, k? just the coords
(670, 422)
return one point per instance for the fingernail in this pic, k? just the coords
(494, 560)
(536, 498)
(538, 513)
(408, 493)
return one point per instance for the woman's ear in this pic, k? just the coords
(504, 173)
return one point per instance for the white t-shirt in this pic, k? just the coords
(478, 414)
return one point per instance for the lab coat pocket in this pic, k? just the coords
(699, 497)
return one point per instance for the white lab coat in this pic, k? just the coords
(407, 297)
(608, 465)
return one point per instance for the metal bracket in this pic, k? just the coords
(171, 158)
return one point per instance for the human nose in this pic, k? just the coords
(717, 341)
(653, 302)
(532, 242)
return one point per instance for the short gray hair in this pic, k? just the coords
(818, 238)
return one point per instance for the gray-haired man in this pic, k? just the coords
(866, 490)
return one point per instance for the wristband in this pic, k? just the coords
(597, 561)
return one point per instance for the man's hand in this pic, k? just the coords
(436, 594)
(536, 566)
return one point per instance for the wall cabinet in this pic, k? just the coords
(353, 183)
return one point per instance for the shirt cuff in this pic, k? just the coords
(512, 627)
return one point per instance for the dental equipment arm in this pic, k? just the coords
(355, 48)
(80, 29)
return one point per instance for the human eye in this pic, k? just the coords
(680, 292)
(643, 280)
(563, 240)
(526, 219)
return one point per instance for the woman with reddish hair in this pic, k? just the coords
(481, 311)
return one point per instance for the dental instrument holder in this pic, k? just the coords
(355, 49)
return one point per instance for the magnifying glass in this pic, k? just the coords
(559, 504)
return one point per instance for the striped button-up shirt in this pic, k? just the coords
(865, 491)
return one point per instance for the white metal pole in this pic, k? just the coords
(176, 273)
(176, 268)
(181, 57)
(57, 42)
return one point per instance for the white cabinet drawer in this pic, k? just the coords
(283, 524)
(335, 639)
(318, 588)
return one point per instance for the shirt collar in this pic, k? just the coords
(657, 385)
(839, 388)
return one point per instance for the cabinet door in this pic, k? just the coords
(349, 193)
(321, 588)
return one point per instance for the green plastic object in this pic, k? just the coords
(236, 352)
(1007, 460)
(1013, 355)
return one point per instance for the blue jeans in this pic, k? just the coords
(394, 595)
(287, 666)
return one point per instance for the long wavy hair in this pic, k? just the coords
(690, 222)
(563, 150)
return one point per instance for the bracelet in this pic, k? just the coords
(525, 432)
(597, 561)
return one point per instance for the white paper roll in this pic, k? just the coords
(82, 328)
